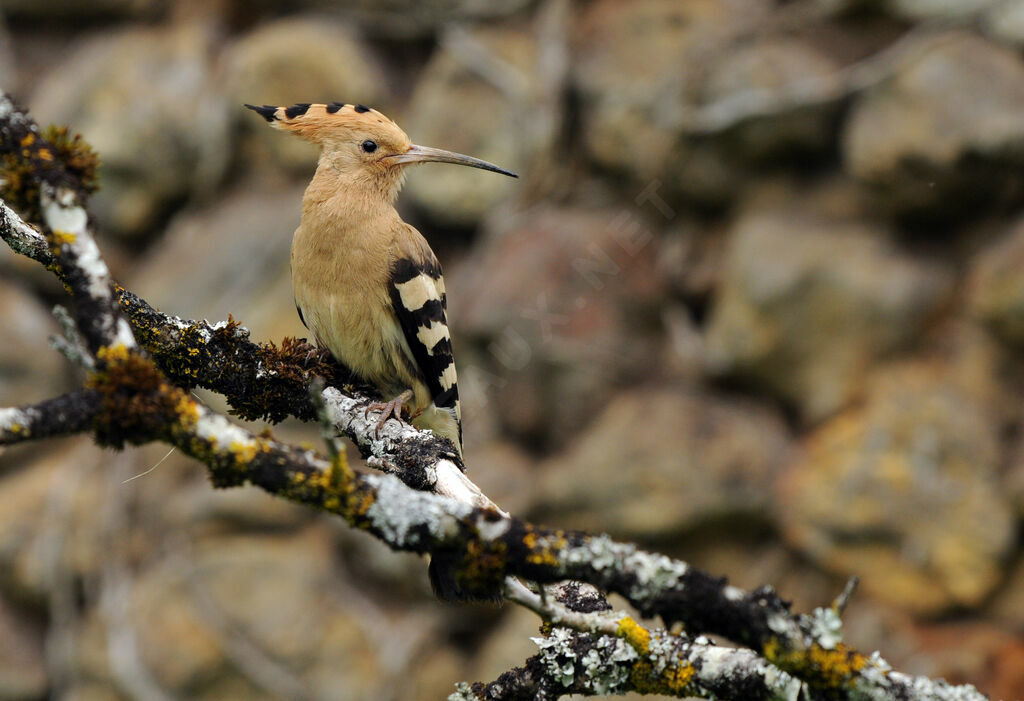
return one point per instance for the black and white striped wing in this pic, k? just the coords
(418, 297)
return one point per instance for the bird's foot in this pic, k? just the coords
(388, 410)
(316, 355)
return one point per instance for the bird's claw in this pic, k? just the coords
(392, 409)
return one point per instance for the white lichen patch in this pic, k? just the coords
(462, 692)
(492, 530)
(733, 593)
(714, 663)
(123, 335)
(921, 688)
(398, 512)
(661, 651)
(605, 668)
(70, 222)
(223, 435)
(558, 656)
(780, 624)
(601, 552)
(61, 213)
(654, 574)
(13, 419)
(826, 627)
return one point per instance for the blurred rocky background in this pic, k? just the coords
(757, 302)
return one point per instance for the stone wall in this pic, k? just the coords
(757, 301)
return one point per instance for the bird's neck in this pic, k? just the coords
(347, 203)
(365, 192)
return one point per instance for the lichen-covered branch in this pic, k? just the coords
(70, 413)
(264, 381)
(657, 663)
(134, 396)
(22, 237)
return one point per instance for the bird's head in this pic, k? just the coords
(361, 144)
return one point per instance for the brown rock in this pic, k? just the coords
(144, 100)
(409, 18)
(29, 370)
(903, 491)
(807, 301)
(272, 592)
(22, 663)
(970, 652)
(660, 461)
(563, 304)
(433, 673)
(73, 11)
(996, 285)
(772, 69)
(937, 9)
(1014, 478)
(92, 691)
(454, 108)
(943, 135)
(304, 59)
(47, 518)
(636, 56)
(228, 258)
(507, 646)
(1007, 606)
(504, 472)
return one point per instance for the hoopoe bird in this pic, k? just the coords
(366, 284)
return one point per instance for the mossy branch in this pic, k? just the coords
(136, 392)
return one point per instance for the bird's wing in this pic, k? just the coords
(419, 300)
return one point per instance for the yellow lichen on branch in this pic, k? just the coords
(821, 667)
(634, 634)
(138, 402)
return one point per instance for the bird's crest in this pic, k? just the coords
(318, 122)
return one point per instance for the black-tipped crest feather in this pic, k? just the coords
(268, 112)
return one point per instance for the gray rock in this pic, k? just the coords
(644, 70)
(945, 134)
(1005, 21)
(144, 100)
(453, 107)
(938, 9)
(808, 300)
(904, 490)
(660, 461)
(303, 59)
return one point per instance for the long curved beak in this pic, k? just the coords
(422, 154)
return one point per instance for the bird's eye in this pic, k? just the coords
(369, 146)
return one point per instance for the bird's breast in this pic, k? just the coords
(340, 289)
